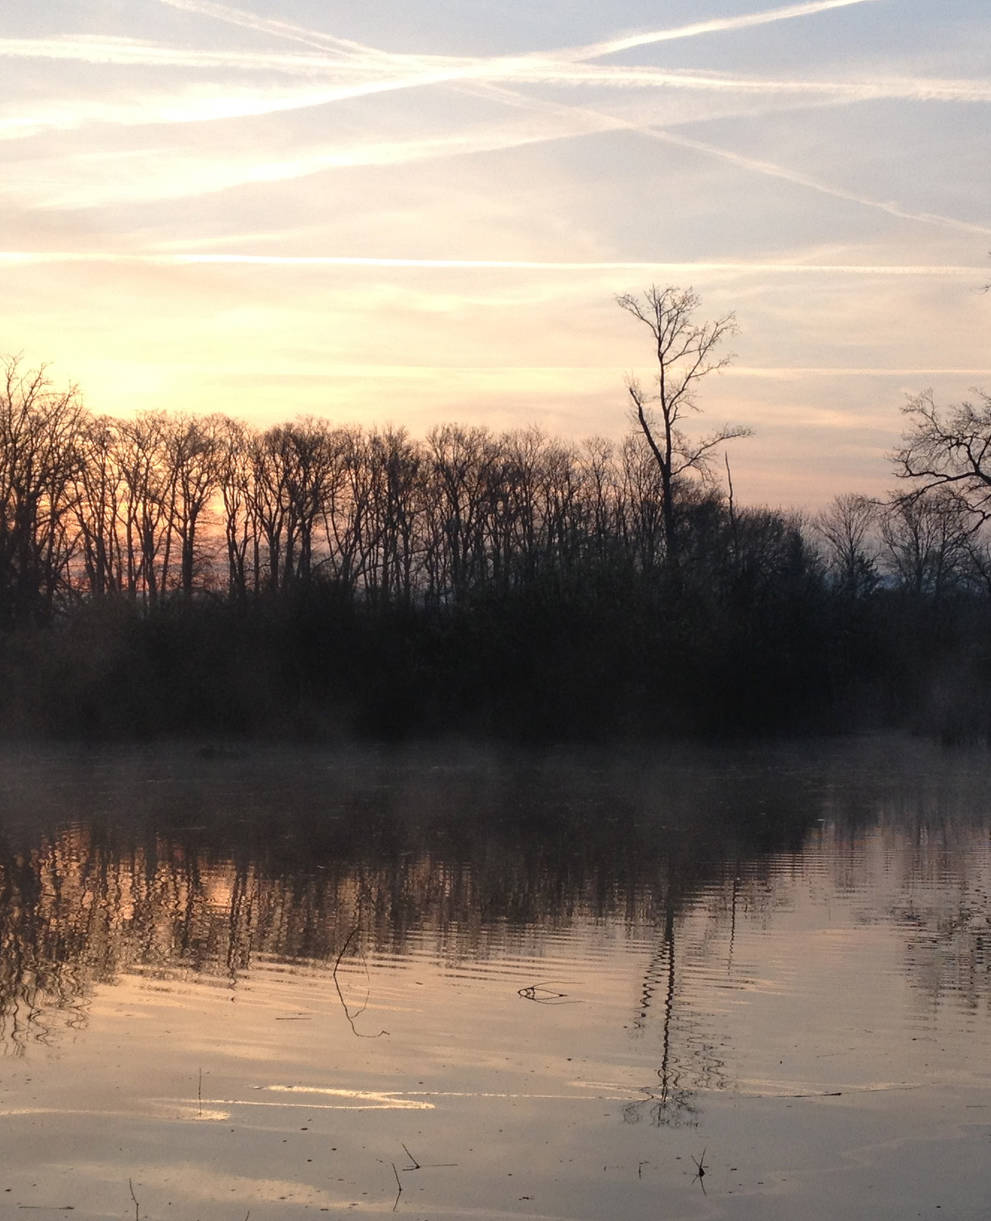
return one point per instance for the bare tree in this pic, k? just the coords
(39, 459)
(349, 517)
(396, 506)
(308, 453)
(641, 498)
(463, 466)
(846, 528)
(686, 351)
(949, 449)
(513, 522)
(598, 464)
(271, 459)
(192, 448)
(240, 524)
(562, 494)
(149, 497)
(926, 542)
(97, 506)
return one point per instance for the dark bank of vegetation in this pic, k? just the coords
(171, 574)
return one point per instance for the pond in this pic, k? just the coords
(741, 983)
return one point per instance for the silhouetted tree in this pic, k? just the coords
(308, 455)
(349, 517)
(240, 523)
(40, 455)
(462, 464)
(949, 449)
(396, 509)
(686, 352)
(193, 449)
(925, 541)
(847, 527)
(98, 505)
(149, 496)
(642, 494)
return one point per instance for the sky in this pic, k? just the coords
(409, 213)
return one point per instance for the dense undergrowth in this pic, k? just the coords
(642, 660)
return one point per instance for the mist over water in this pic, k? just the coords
(276, 980)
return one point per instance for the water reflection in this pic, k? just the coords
(170, 866)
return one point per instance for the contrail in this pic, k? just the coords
(768, 168)
(644, 77)
(716, 25)
(280, 29)
(15, 258)
(150, 178)
(138, 52)
(390, 72)
(197, 106)
(611, 46)
(200, 106)
(771, 170)
(576, 120)
(429, 69)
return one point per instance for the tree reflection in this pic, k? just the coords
(183, 872)
(44, 957)
(671, 1102)
(688, 1060)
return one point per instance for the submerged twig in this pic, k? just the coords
(543, 995)
(137, 1206)
(344, 1005)
(700, 1169)
(415, 1165)
(399, 1186)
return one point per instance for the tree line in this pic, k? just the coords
(165, 504)
(167, 572)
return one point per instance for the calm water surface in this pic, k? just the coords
(454, 985)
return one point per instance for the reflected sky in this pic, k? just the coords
(165, 865)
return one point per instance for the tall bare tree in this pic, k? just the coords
(686, 351)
